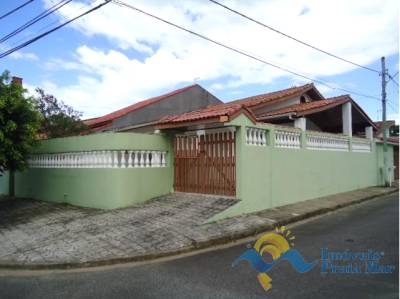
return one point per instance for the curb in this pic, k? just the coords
(219, 240)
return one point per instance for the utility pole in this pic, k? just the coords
(385, 158)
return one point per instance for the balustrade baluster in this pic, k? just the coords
(129, 159)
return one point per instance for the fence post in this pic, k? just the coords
(303, 139)
(271, 137)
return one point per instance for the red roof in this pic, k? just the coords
(389, 123)
(231, 108)
(356, 107)
(276, 95)
(305, 108)
(206, 113)
(393, 140)
(108, 118)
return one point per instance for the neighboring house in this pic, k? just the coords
(267, 150)
(141, 116)
(390, 124)
(302, 107)
(393, 140)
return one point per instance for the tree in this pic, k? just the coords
(58, 119)
(19, 122)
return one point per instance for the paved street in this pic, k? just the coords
(36, 232)
(41, 234)
(371, 225)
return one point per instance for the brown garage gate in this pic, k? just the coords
(205, 163)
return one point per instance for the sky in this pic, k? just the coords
(116, 56)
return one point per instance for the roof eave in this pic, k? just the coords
(217, 119)
(359, 109)
(277, 116)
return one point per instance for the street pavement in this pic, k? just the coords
(37, 234)
(370, 225)
(34, 232)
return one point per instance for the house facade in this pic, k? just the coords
(267, 150)
(142, 116)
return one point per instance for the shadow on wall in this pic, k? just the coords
(105, 171)
(4, 184)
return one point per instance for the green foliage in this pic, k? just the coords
(19, 122)
(58, 119)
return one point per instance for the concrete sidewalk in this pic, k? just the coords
(40, 235)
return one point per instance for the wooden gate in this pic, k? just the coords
(205, 163)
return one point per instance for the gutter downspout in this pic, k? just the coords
(289, 115)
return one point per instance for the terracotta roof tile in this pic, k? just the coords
(139, 105)
(393, 140)
(206, 113)
(273, 96)
(233, 107)
(304, 107)
(389, 123)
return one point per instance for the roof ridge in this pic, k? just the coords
(301, 106)
(340, 96)
(138, 105)
(276, 91)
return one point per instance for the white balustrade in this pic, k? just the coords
(124, 157)
(145, 160)
(163, 162)
(156, 159)
(100, 159)
(327, 142)
(287, 139)
(256, 136)
(361, 145)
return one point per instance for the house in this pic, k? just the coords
(392, 139)
(390, 126)
(266, 150)
(303, 107)
(143, 115)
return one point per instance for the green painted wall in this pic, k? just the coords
(105, 188)
(269, 177)
(4, 179)
(266, 176)
(109, 141)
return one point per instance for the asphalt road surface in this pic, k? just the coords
(372, 225)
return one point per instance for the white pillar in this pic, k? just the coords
(369, 133)
(130, 159)
(136, 160)
(300, 123)
(346, 119)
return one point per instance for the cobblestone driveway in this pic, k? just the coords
(35, 232)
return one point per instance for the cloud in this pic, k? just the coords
(110, 78)
(25, 56)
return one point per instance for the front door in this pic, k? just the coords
(205, 163)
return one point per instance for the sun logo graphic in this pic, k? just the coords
(278, 245)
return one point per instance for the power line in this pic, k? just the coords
(23, 45)
(394, 81)
(15, 9)
(35, 19)
(322, 82)
(392, 107)
(41, 29)
(293, 38)
(395, 74)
